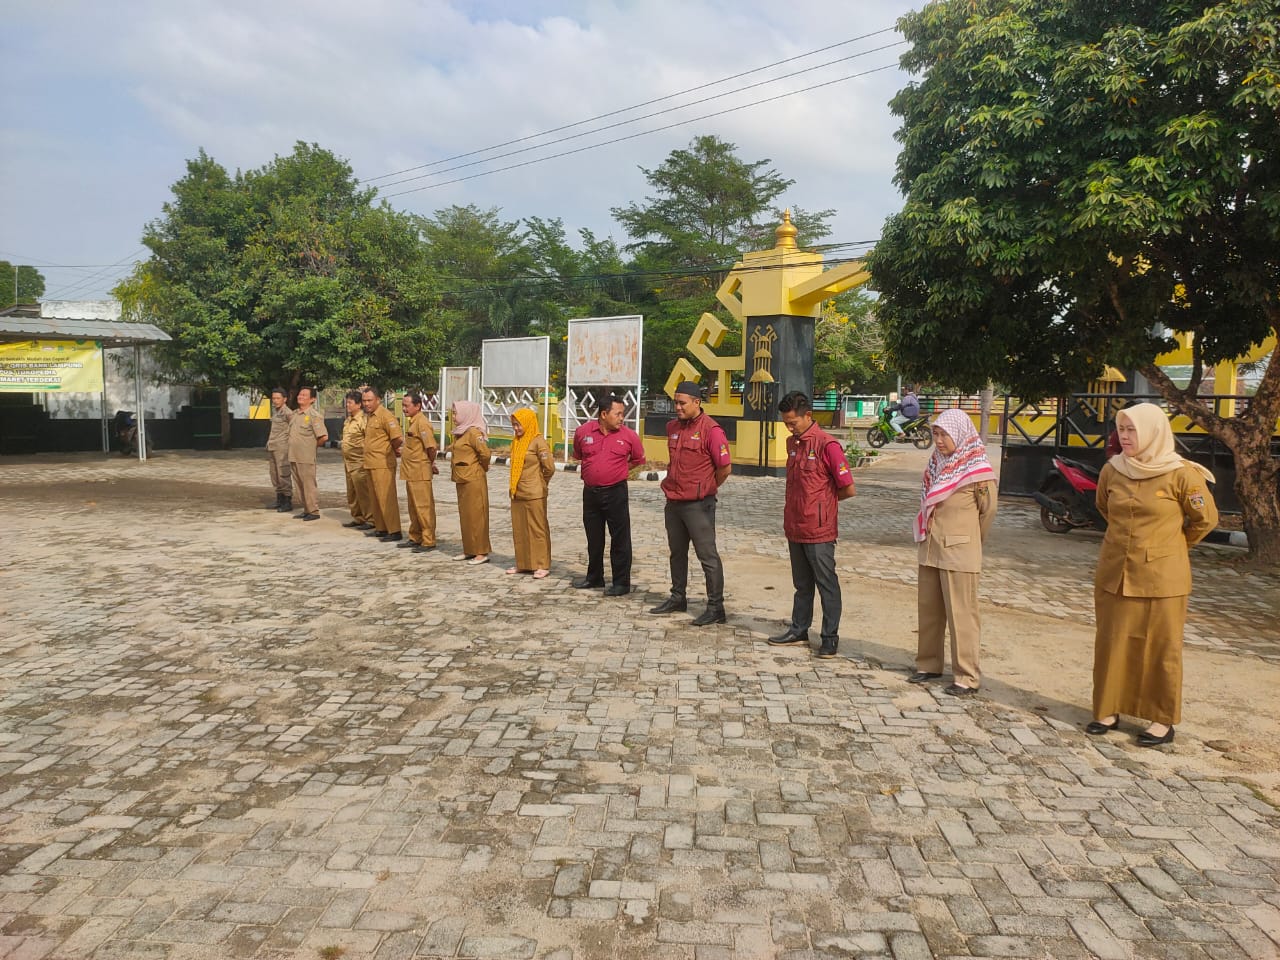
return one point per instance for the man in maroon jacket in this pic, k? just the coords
(818, 478)
(698, 463)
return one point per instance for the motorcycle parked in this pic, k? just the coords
(1067, 497)
(915, 431)
(124, 428)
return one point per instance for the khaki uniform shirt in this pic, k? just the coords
(1150, 526)
(380, 429)
(536, 471)
(278, 439)
(353, 439)
(957, 528)
(415, 460)
(304, 430)
(469, 457)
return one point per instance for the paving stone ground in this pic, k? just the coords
(224, 733)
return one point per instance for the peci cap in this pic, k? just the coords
(690, 389)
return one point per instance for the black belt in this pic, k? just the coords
(609, 487)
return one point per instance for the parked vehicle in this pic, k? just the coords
(124, 427)
(1067, 497)
(914, 431)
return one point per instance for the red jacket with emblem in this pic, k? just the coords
(810, 512)
(695, 449)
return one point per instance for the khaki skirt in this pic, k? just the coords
(1137, 656)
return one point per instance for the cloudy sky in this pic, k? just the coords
(103, 103)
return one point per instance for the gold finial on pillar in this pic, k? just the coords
(786, 232)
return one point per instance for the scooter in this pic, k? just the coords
(125, 428)
(1067, 497)
(915, 431)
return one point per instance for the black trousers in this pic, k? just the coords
(601, 507)
(694, 521)
(814, 565)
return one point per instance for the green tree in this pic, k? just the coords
(1082, 180)
(19, 284)
(849, 350)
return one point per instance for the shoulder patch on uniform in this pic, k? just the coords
(1197, 500)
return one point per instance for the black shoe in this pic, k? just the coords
(585, 583)
(955, 690)
(408, 544)
(311, 516)
(1096, 728)
(709, 616)
(352, 524)
(790, 636)
(421, 548)
(671, 605)
(390, 537)
(376, 533)
(827, 650)
(921, 677)
(286, 506)
(1148, 740)
(364, 526)
(276, 505)
(617, 590)
(299, 516)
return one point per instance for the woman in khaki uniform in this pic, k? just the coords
(1157, 505)
(470, 458)
(957, 505)
(532, 468)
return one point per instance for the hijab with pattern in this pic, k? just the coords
(528, 421)
(466, 414)
(1157, 452)
(944, 475)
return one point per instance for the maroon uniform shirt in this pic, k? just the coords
(606, 458)
(695, 450)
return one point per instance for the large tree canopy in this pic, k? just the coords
(19, 284)
(1082, 180)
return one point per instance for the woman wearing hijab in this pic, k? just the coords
(532, 468)
(1157, 505)
(470, 459)
(957, 505)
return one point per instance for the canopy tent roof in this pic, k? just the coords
(111, 333)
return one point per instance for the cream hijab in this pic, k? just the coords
(1157, 452)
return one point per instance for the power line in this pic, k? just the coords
(637, 106)
(646, 116)
(88, 281)
(642, 133)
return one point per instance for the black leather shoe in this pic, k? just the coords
(352, 524)
(790, 636)
(921, 677)
(407, 544)
(311, 516)
(617, 590)
(364, 526)
(421, 548)
(390, 537)
(709, 616)
(670, 605)
(276, 505)
(827, 650)
(955, 690)
(286, 506)
(582, 583)
(1096, 728)
(299, 516)
(1148, 740)
(376, 533)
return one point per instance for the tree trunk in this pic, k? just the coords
(985, 400)
(224, 418)
(1258, 491)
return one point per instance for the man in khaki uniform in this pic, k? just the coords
(278, 451)
(359, 493)
(417, 464)
(306, 433)
(382, 440)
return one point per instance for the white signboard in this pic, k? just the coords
(515, 362)
(604, 351)
(459, 383)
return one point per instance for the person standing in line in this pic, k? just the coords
(699, 464)
(1157, 506)
(278, 451)
(607, 449)
(469, 455)
(382, 442)
(818, 478)
(306, 433)
(358, 491)
(417, 464)
(957, 507)
(532, 468)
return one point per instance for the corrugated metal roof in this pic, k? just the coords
(112, 333)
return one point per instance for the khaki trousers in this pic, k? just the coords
(948, 599)
(280, 474)
(473, 517)
(422, 512)
(359, 494)
(304, 478)
(531, 534)
(384, 500)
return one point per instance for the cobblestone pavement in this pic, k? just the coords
(227, 734)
